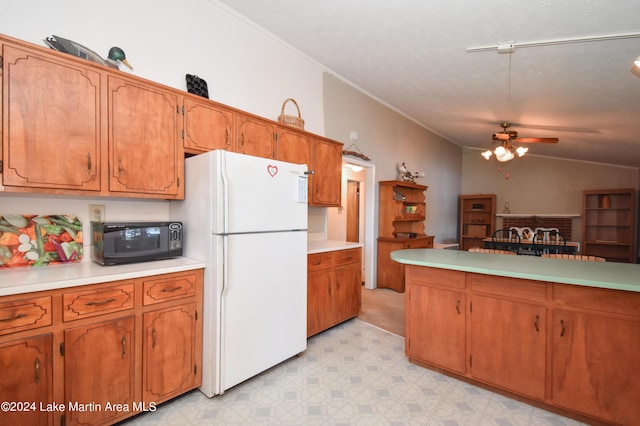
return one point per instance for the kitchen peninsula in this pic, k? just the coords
(562, 334)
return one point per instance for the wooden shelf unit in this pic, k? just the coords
(477, 219)
(403, 212)
(609, 224)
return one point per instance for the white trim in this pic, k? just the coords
(370, 247)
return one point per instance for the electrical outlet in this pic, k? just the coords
(96, 212)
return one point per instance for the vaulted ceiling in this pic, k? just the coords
(415, 56)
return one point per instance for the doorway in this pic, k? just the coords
(366, 194)
(353, 211)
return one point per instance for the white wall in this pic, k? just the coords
(541, 185)
(389, 138)
(244, 67)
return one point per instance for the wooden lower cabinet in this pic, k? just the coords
(511, 353)
(334, 281)
(103, 352)
(564, 347)
(26, 377)
(436, 315)
(390, 273)
(169, 352)
(596, 349)
(99, 369)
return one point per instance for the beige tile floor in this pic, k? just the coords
(352, 374)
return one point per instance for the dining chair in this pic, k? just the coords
(492, 251)
(548, 241)
(574, 257)
(506, 239)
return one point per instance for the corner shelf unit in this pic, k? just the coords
(609, 224)
(401, 226)
(477, 219)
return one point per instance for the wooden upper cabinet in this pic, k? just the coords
(145, 151)
(293, 146)
(51, 122)
(207, 126)
(325, 186)
(255, 136)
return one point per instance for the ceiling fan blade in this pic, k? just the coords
(536, 140)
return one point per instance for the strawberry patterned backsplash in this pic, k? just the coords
(39, 240)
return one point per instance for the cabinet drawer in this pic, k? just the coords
(421, 275)
(25, 314)
(597, 299)
(342, 257)
(508, 287)
(318, 261)
(170, 287)
(89, 303)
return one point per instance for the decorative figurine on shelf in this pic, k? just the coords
(406, 175)
(114, 59)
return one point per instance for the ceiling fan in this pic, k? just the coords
(512, 136)
(507, 150)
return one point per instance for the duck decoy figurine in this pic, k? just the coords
(114, 59)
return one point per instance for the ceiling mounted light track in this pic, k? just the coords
(500, 47)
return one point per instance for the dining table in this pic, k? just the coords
(526, 246)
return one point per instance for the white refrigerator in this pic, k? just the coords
(247, 218)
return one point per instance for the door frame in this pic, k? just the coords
(369, 245)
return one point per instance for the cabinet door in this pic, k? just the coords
(26, 367)
(51, 122)
(146, 155)
(347, 292)
(436, 327)
(207, 126)
(169, 365)
(255, 137)
(508, 345)
(595, 365)
(326, 181)
(99, 368)
(293, 147)
(319, 301)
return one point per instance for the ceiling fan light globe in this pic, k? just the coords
(487, 154)
(504, 156)
(637, 62)
(521, 151)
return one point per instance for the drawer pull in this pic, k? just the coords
(316, 263)
(153, 338)
(17, 316)
(100, 303)
(36, 366)
(458, 307)
(562, 329)
(348, 258)
(535, 323)
(171, 290)
(124, 346)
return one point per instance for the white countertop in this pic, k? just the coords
(30, 279)
(320, 246)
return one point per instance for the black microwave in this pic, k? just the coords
(115, 243)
